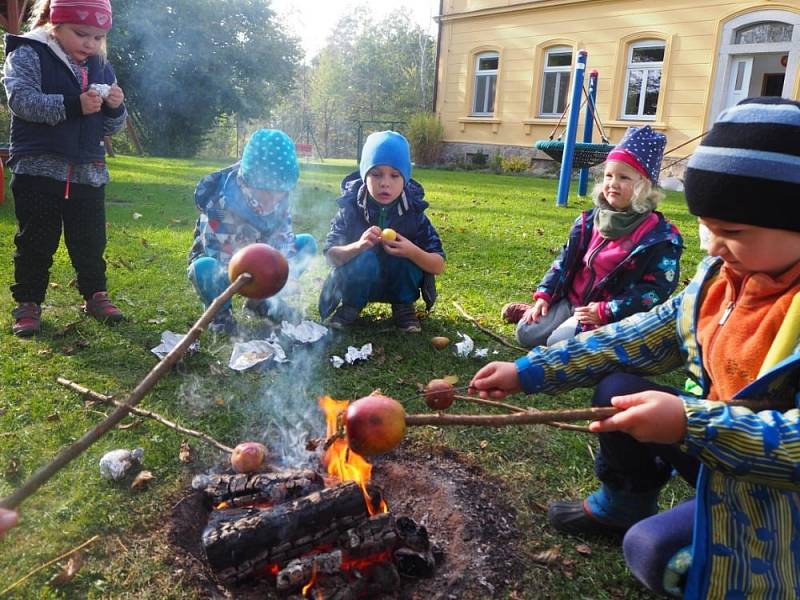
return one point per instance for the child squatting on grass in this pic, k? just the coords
(621, 257)
(64, 99)
(367, 266)
(243, 204)
(736, 327)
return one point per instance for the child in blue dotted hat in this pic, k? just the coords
(381, 243)
(247, 203)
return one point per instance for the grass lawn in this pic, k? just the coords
(500, 234)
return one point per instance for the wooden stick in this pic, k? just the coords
(488, 332)
(70, 453)
(519, 409)
(521, 418)
(48, 563)
(84, 391)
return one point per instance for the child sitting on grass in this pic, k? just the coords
(736, 327)
(620, 258)
(243, 204)
(368, 266)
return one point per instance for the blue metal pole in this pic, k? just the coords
(583, 177)
(572, 127)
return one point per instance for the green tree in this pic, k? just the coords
(184, 63)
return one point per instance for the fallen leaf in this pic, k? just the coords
(142, 480)
(68, 350)
(584, 549)
(68, 571)
(451, 379)
(156, 321)
(549, 556)
(82, 343)
(45, 352)
(53, 417)
(145, 243)
(73, 283)
(12, 468)
(54, 285)
(185, 453)
(219, 401)
(484, 444)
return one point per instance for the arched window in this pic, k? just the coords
(767, 32)
(555, 80)
(486, 67)
(643, 79)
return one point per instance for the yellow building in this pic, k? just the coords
(505, 66)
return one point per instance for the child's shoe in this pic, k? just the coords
(223, 323)
(101, 308)
(274, 309)
(344, 317)
(513, 311)
(405, 318)
(608, 511)
(27, 319)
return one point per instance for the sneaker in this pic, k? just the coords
(223, 323)
(513, 311)
(405, 318)
(344, 317)
(101, 308)
(27, 319)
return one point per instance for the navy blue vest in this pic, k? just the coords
(79, 138)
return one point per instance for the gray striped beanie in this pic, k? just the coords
(747, 169)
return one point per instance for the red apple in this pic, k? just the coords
(375, 424)
(248, 457)
(267, 266)
(439, 394)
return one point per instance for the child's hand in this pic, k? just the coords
(536, 312)
(115, 96)
(589, 314)
(91, 102)
(400, 246)
(649, 416)
(495, 380)
(370, 237)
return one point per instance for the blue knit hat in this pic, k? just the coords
(386, 148)
(269, 161)
(641, 148)
(747, 168)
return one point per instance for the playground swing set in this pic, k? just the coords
(582, 155)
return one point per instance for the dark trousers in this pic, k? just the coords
(628, 464)
(41, 211)
(378, 277)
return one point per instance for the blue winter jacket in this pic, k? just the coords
(746, 541)
(356, 215)
(646, 277)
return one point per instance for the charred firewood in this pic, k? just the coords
(300, 571)
(370, 538)
(238, 548)
(250, 488)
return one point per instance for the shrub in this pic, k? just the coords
(514, 164)
(425, 133)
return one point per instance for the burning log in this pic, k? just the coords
(299, 571)
(370, 538)
(250, 488)
(238, 548)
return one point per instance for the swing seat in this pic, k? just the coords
(585, 155)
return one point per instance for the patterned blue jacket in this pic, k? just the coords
(747, 527)
(646, 277)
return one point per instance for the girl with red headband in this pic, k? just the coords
(64, 100)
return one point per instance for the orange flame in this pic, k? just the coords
(307, 587)
(340, 460)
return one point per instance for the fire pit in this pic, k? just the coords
(300, 533)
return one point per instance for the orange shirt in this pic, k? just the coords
(739, 318)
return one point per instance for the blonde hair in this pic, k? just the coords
(645, 196)
(40, 17)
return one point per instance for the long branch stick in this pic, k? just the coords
(71, 452)
(84, 391)
(48, 563)
(523, 418)
(519, 409)
(488, 332)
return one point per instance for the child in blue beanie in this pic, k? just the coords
(243, 204)
(370, 264)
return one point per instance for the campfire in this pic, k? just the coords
(310, 534)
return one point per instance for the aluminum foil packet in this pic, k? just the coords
(115, 465)
(246, 355)
(168, 341)
(306, 332)
(101, 88)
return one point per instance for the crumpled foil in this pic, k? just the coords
(306, 332)
(466, 346)
(101, 88)
(168, 341)
(115, 465)
(352, 355)
(248, 354)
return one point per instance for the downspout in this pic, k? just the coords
(436, 61)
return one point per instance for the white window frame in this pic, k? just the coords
(560, 72)
(489, 75)
(647, 67)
